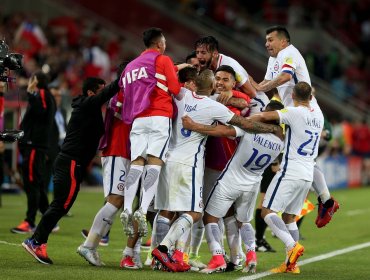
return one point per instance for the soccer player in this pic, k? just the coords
(285, 68)
(239, 186)
(115, 146)
(290, 186)
(207, 52)
(148, 82)
(193, 60)
(182, 177)
(84, 130)
(219, 152)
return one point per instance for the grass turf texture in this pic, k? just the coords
(349, 227)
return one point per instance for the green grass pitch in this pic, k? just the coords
(350, 226)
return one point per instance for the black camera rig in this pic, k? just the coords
(9, 61)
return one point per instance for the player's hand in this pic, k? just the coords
(188, 122)
(2, 87)
(224, 97)
(183, 65)
(32, 84)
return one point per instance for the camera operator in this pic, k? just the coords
(37, 125)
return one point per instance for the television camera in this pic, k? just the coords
(9, 61)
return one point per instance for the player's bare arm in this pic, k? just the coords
(254, 126)
(265, 117)
(248, 89)
(217, 130)
(238, 103)
(278, 81)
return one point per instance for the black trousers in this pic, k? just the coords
(33, 168)
(67, 180)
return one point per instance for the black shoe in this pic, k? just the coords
(263, 246)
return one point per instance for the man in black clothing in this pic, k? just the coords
(83, 133)
(37, 124)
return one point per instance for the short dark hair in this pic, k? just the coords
(209, 41)
(228, 69)
(281, 31)
(302, 91)
(42, 79)
(274, 105)
(151, 35)
(204, 80)
(190, 56)
(187, 74)
(121, 67)
(91, 83)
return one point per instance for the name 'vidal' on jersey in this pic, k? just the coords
(186, 146)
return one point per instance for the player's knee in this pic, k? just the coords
(265, 212)
(115, 200)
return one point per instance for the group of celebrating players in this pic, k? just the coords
(155, 144)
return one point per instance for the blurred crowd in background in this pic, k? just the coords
(347, 21)
(72, 48)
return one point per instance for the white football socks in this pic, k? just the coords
(150, 186)
(319, 185)
(247, 234)
(132, 185)
(178, 228)
(213, 236)
(101, 225)
(279, 228)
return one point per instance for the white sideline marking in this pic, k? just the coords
(7, 243)
(357, 212)
(311, 260)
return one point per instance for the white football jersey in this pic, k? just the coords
(303, 130)
(291, 61)
(253, 155)
(258, 103)
(241, 74)
(186, 146)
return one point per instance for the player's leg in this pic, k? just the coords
(244, 208)
(327, 205)
(219, 202)
(158, 142)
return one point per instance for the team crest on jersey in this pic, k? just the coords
(120, 187)
(201, 205)
(276, 66)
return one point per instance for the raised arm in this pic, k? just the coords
(282, 78)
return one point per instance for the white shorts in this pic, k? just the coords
(222, 198)
(210, 178)
(286, 196)
(180, 188)
(115, 169)
(150, 136)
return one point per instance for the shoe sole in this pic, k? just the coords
(130, 267)
(163, 264)
(83, 256)
(293, 262)
(142, 226)
(251, 268)
(319, 225)
(20, 231)
(217, 270)
(24, 245)
(128, 229)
